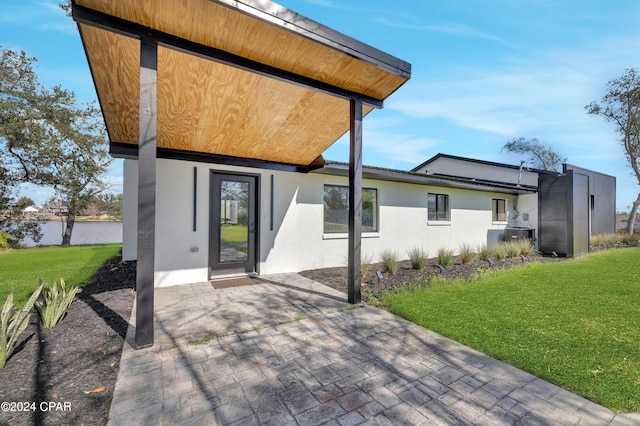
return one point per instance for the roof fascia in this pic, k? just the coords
(473, 160)
(341, 169)
(111, 23)
(130, 152)
(566, 167)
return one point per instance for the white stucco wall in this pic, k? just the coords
(297, 241)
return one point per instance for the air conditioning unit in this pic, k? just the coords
(519, 234)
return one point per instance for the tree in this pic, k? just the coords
(542, 155)
(47, 139)
(621, 106)
(110, 204)
(12, 229)
(24, 202)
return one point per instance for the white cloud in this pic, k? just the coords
(449, 28)
(46, 16)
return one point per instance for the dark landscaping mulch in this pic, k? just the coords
(74, 364)
(371, 286)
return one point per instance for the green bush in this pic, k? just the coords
(526, 247)
(513, 248)
(52, 305)
(466, 253)
(389, 260)
(500, 251)
(418, 258)
(13, 322)
(485, 252)
(365, 263)
(4, 240)
(445, 257)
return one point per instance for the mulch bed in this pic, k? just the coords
(373, 287)
(74, 364)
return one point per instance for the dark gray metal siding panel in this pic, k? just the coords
(603, 214)
(579, 215)
(552, 200)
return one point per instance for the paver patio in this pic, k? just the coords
(291, 351)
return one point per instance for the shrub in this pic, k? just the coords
(485, 252)
(13, 322)
(513, 248)
(445, 257)
(598, 240)
(389, 260)
(4, 240)
(466, 254)
(365, 263)
(52, 305)
(418, 257)
(500, 251)
(526, 247)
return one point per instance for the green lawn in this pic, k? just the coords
(230, 234)
(575, 323)
(19, 269)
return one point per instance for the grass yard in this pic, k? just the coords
(575, 323)
(231, 234)
(19, 269)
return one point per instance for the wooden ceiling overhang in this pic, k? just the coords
(236, 79)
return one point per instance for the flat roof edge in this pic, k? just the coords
(276, 14)
(370, 172)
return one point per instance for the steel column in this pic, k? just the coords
(355, 201)
(146, 193)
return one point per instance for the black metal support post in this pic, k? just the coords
(146, 193)
(195, 199)
(355, 201)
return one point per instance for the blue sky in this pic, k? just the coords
(483, 74)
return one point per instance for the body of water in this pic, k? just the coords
(83, 233)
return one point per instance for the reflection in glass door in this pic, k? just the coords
(232, 224)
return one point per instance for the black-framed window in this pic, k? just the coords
(499, 210)
(336, 209)
(438, 207)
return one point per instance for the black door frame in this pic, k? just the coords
(253, 243)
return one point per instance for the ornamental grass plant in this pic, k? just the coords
(53, 303)
(13, 322)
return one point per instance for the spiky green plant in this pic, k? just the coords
(513, 248)
(526, 247)
(500, 251)
(466, 253)
(417, 257)
(485, 252)
(13, 322)
(445, 257)
(53, 303)
(365, 262)
(389, 260)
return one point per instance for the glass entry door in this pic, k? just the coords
(233, 224)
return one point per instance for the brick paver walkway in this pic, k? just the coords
(292, 352)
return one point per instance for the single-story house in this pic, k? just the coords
(222, 110)
(293, 221)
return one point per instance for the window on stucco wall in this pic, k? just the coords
(499, 210)
(336, 209)
(438, 207)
